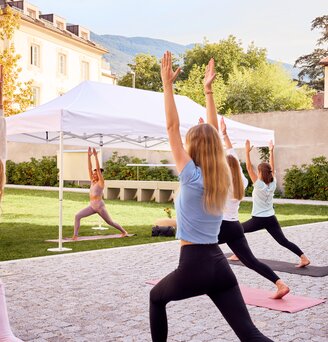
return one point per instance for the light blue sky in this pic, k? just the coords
(283, 27)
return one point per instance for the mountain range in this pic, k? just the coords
(122, 50)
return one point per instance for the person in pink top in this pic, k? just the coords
(97, 205)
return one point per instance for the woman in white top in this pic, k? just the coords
(263, 215)
(231, 231)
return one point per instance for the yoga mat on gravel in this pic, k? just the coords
(261, 298)
(283, 266)
(89, 238)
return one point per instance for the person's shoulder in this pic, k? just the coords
(190, 172)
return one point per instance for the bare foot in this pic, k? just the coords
(304, 261)
(282, 290)
(124, 235)
(75, 238)
(233, 258)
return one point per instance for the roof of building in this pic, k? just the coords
(48, 25)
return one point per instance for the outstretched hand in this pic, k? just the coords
(94, 152)
(248, 146)
(167, 74)
(209, 75)
(89, 152)
(271, 146)
(200, 120)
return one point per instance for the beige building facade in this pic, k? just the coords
(55, 55)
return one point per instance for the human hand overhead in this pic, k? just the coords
(167, 74)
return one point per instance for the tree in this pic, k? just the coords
(147, 73)
(264, 89)
(309, 64)
(17, 95)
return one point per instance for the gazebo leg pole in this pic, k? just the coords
(61, 186)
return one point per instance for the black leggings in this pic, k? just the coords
(203, 269)
(232, 233)
(271, 224)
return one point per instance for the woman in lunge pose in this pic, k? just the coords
(263, 215)
(204, 183)
(231, 231)
(97, 205)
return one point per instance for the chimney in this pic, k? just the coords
(324, 62)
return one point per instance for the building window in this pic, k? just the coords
(62, 64)
(85, 71)
(31, 13)
(35, 55)
(35, 96)
(60, 25)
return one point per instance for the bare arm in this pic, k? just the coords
(249, 166)
(226, 138)
(89, 163)
(271, 148)
(100, 176)
(180, 156)
(210, 104)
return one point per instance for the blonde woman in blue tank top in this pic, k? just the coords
(97, 205)
(263, 214)
(204, 183)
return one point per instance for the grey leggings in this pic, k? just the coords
(98, 207)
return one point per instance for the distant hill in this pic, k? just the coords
(122, 50)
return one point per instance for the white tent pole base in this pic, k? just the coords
(57, 249)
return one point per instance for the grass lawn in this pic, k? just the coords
(30, 217)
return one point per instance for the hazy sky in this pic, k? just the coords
(282, 27)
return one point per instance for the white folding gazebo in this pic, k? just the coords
(99, 114)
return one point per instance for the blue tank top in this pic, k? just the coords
(194, 224)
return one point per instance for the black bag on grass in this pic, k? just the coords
(163, 231)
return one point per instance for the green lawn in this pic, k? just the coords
(31, 217)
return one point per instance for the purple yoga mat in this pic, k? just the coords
(259, 297)
(94, 237)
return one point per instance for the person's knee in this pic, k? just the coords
(155, 296)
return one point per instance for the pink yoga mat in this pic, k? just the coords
(94, 237)
(259, 297)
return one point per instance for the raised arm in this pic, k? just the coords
(180, 156)
(225, 135)
(90, 163)
(100, 176)
(271, 148)
(212, 117)
(249, 166)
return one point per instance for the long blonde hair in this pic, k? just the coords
(237, 180)
(2, 179)
(206, 150)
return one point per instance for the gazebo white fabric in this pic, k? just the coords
(96, 113)
(99, 114)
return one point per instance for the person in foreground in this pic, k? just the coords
(6, 334)
(263, 215)
(204, 183)
(97, 205)
(231, 231)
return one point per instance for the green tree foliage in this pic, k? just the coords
(308, 181)
(116, 168)
(263, 89)
(17, 95)
(147, 73)
(309, 64)
(42, 172)
(194, 89)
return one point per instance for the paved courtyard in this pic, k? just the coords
(101, 295)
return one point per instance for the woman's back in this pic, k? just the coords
(194, 223)
(263, 198)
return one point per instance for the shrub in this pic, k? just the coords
(42, 172)
(308, 181)
(116, 168)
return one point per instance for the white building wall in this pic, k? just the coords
(47, 76)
